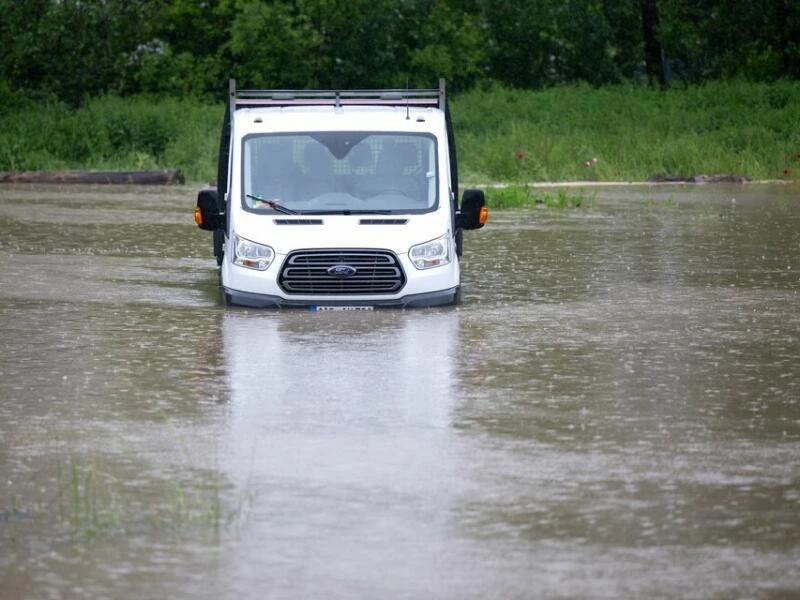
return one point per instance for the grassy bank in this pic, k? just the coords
(113, 133)
(562, 134)
(630, 133)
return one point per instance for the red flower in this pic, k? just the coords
(520, 155)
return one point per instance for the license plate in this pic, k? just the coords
(316, 308)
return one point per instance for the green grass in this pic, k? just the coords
(625, 133)
(522, 196)
(91, 503)
(113, 133)
(98, 503)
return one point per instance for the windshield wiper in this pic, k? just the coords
(273, 205)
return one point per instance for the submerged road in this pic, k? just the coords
(612, 412)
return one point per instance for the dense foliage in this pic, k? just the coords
(73, 50)
(621, 132)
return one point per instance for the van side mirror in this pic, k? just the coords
(207, 214)
(473, 212)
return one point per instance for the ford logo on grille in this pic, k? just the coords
(341, 271)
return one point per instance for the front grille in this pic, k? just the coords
(375, 272)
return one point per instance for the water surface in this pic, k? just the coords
(612, 412)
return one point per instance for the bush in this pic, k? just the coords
(626, 132)
(112, 133)
(519, 196)
(511, 136)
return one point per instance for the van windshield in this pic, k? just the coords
(340, 172)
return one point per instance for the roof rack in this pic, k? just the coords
(389, 97)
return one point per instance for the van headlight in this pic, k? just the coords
(435, 253)
(251, 255)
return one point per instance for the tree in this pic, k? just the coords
(274, 45)
(70, 49)
(535, 43)
(788, 20)
(653, 55)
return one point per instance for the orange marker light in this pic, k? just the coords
(484, 216)
(198, 216)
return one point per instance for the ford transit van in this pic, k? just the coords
(338, 200)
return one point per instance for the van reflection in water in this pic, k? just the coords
(353, 373)
(340, 432)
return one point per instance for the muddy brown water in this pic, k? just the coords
(612, 412)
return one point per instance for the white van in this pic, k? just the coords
(338, 200)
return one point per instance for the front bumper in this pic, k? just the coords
(439, 298)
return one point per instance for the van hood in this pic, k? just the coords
(285, 233)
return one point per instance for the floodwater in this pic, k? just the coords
(612, 412)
